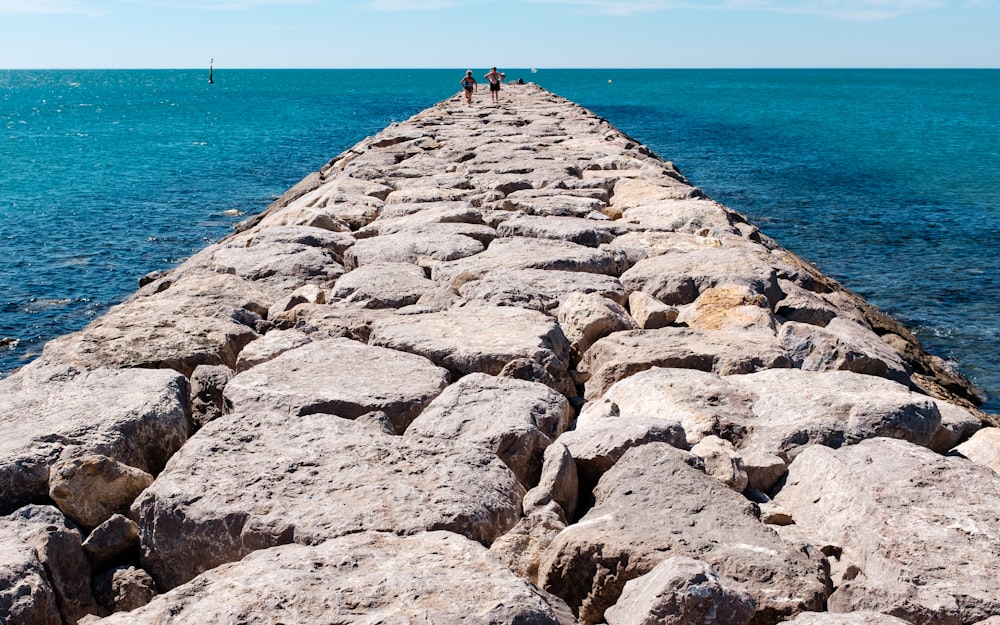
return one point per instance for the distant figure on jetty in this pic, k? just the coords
(493, 76)
(469, 84)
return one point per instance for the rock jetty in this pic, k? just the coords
(496, 364)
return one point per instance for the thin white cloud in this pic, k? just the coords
(834, 9)
(393, 6)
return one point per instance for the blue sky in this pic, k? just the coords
(506, 33)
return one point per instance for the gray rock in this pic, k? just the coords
(842, 346)
(681, 591)
(51, 413)
(589, 232)
(622, 354)
(653, 505)
(252, 481)
(559, 482)
(269, 347)
(957, 424)
(934, 518)
(522, 548)
(339, 377)
(90, 489)
(55, 545)
(539, 289)
(435, 577)
(384, 285)
(336, 242)
(207, 383)
(983, 448)
(199, 319)
(111, 539)
(527, 253)
(515, 419)
(722, 461)
(650, 313)
(862, 617)
(641, 191)
(480, 232)
(480, 339)
(336, 320)
(553, 203)
(26, 597)
(124, 589)
(587, 317)
(694, 216)
(407, 247)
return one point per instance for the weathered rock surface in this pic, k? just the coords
(983, 448)
(112, 538)
(384, 285)
(539, 289)
(529, 253)
(622, 354)
(862, 617)
(251, 481)
(515, 419)
(339, 377)
(26, 596)
(653, 504)
(207, 384)
(586, 318)
(124, 589)
(845, 346)
(90, 489)
(409, 247)
(435, 577)
(139, 417)
(481, 339)
(680, 591)
(922, 531)
(267, 347)
(589, 232)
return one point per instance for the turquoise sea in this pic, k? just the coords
(888, 180)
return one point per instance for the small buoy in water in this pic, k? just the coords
(609, 81)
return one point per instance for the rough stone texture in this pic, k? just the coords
(586, 318)
(862, 617)
(124, 589)
(480, 339)
(515, 419)
(727, 307)
(921, 531)
(622, 354)
(435, 577)
(384, 285)
(539, 289)
(199, 319)
(269, 347)
(653, 505)
(528, 253)
(682, 591)
(256, 480)
(51, 413)
(842, 345)
(207, 384)
(26, 597)
(90, 489)
(340, 377)
(408, 247)
(983, 448)
(54, 547)
(559, 481)
(111, 539)
(957, 424)
(589, 232)
(650, 313)
(722, 461)
(694, 216)
(522, 548)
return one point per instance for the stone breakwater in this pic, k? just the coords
(496, 365)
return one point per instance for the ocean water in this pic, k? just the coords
(887, 180)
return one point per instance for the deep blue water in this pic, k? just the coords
(888, 180)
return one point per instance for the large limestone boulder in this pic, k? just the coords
(695, 216)
(681, 591)
(434, 577)
(589, 232)
(383, 285)
(90, 489)
(588, 317)
(258, 479)
(139, 417)
(481, 339)
(622, 354)
(983, 448)
(539, 289)
(197, 319)
(861, 617)
(409, 247)
(515, 419)
(842, 346)
(920, 533)
(529, 253)
(656, 503)
(339, 377)
(264, 349)
(44, 547)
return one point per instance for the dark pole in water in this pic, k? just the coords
(211, 81)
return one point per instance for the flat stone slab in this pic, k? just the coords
(433, 577)
(528, 253)
(516, 419)
(383, 285)
(252, 481)
(481, 339)
(340, 377)
(139, 417)
(656, 503)
(588, 232)
(921, 529)
(408, 247)
(540, 289)
(695, 216)
(199, 319)
(619, 355)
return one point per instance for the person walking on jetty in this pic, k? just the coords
(469, 85)
(493, 76)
